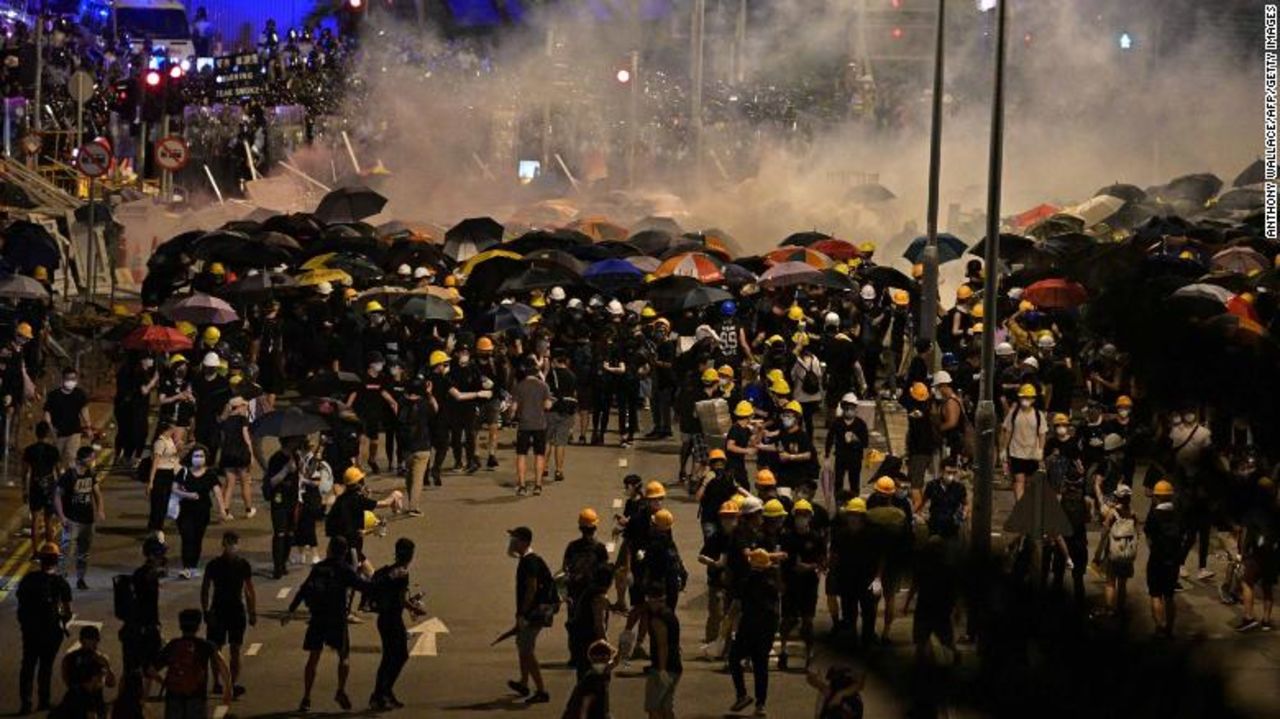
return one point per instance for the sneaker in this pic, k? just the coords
(228, 517)
(582, 439)
(1183, 573)
(237, 691)
(518, 688)
(304, 706)
(1205, 574)
(492, 462)
(521, 491)
(538, 698)
(624, 444)
(761, 711)
(1266, 625)
(343, 701)
(1070, 564)
(537, 490)
(414, 512)
(782, 662)
(394, 701)
(741, 703)
(251, 513)
(559, 476)
(82, 585)
(378, 704)
(184, 574)
(473, 467)
(1246, 624)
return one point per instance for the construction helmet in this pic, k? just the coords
(802, 505)
(49, 549)
(773, 340)
(186, 328)
(899, 297)
(437, 358)
(588, 518)
(40, 273)
(773, 375)
(963, 293)
(177, 359)
(655, 490)
(648, 313)
(743, 409)
(217, 269)
(917, 271)
(715, 454)
(1163, 488)
(765, 478)
(886, 485)
(24, 330)
(538, 302)
(484, 344)
(866, 248)
(370, 520)
(1061, 419)
(1027, 391)
(211, 335)
(710, 376)
(374, 306)
(759, 559)
(1124, 401)
(978, 312)
(1025, 306)
(663, 519)
(729, 509)
(800, 339)
(857, 505)
(781, 387)
(773, 509)
(451, 281)
(353, 475)
(919, 392)
(793, 406)
(794, 313)
(725, 371)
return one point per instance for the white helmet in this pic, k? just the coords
(751, 505)
(575, 303)
(595, 301)
(614, 308)
(211, 360)
(324, 289)
(941, 377)
(849, 398)
(831, 318)
(1015, 293)
(420, 272)
(1031, 362)
(403, 270)
(1004, 349)
(1046, 341)
(557, 294)
(868, 292)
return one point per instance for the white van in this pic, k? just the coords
(163, 21)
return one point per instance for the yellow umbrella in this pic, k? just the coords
(487, 255)
(448, 294)
(318, 262)
(332, 276)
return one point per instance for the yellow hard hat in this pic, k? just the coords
(484, 344)
(655, 490)
(217, 269)
(1025, 306)
(978, 311)
(437, 358)
(663, 519)
(759, 558)
(725, 371)
(177, 358)
(459, 314)
(793, 406)
(1163, 488)
(773, 509)
(729, 509)
(857, 505)
(538, 301)
(212, 335)
(780, 387)
(964, 292)
(709, 376)
(663, 321)
(977, 327)
(919, 392)
(917, 271)
(370, 520)
(186, 328)
(350, 293)
(773, 340)
(794, 313)
(353, 475)
(450, 280)
(1027, 391)
(743, 409)
(716, 454)
(588, 518)
(765, 478)
(773, 375)
(801, 505)
(800, 339)
(24, 330)
(886, 485)
(49, 549)
(120, 310)
(1124, 400)
(648, 313)
(899, 297)
(374, 306)
(1061, 419)
(842, 268)
(40, 273)
(866, 248)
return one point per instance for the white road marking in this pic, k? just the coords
(220, 711)
(622, 462)
(283, 593)
(617, 504)
(253, 649)
(426, 644)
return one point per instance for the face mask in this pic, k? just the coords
(802, 523)
(729, 525)
(1123, 413)
(849, 413)
(788, 422)
(1189, 418)
(1061, 432)
(949, 477)
(902, 493)
(197, 460)
(375, 368)
(376, 320)
(464, 360)
(1026, 403)
(148, 363)
(69, 385)
(937, 394)
(599, 668)
(724, 384)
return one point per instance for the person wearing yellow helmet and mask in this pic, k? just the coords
(806, 556)
(437, 386)
(924, 441)
(740, 442)
(374, 405)
(583, 560)
(796, 458)
(177, 401)
(1022, 439)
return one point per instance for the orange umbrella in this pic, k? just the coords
(1242, 306)
(810, 257)
(1035, 214)
(698, 265)
(600, 229)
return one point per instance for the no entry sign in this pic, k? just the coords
(93, 159)
(172, 153)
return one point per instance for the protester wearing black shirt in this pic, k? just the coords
(39, 482)
(229, 601)
(66, 409)
(389, 590)
(134, 382)
(140, 634)
(535, 592)
(195, 485)
(78, 503)
(44, 607)
(280, 485)
(849, 437)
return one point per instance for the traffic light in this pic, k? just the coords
(173, 90)
(901, 30)
(124, 99)
(153, 104)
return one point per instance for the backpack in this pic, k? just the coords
(124, 597)
(810, 383)
(1122, 540)
(185, 670)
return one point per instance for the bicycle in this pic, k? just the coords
(1232, 580)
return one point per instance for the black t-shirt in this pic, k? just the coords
(736, 464)
(146, 594)
(233, 445)
(369, 402)
(847, 437)
(77, 495)
(761, 592)
(715, 547)
(389, 587)
(43, 459)
(532, 568)
(719, 490)
(672, 623)
(40, 595)
(283, 492)
(325, 592)
(346, 516)
(582, 557)
(807, 548)
(64, 410)
(83, 667)
(945, 500)
(228, 576)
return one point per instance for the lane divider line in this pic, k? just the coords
(283, 593)
(253, 649)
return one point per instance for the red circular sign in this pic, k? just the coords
(172, 153)
(93, 160)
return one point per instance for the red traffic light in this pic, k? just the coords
(152, 78)
(355, 4)
(897, 33)
(175, 71)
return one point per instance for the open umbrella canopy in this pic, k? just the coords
(803, 239)
(302, 226)
(544, 240)
(1242, 306)
(645, 263)
(1237, 329)
(175, 252)
(663, 224)
(698, 265)
(487, 256)
(1205, 291)
(471, 237)
(199, 309)
(350, 204)
(485, 277)
(790, 274)
(1013, 248)
(677, 294)
(556, 257)
(237, 248)
(950, 248)
(1055, 294)
(291, 422)
(1028, 218)
(21, 287)
(613, 275)
(883, 276)
(1195, 188)
(258, 284)
(28, 245)
(1240, 259)
(1253, 174)
(599, 229)
(424, 307)
(1128, 193)
(508, 316)
(836, 249)
(804, 255)
(652, 242)
(707, 243)
(539, 277)
(331, 275)
(736, 275)
(156, 338)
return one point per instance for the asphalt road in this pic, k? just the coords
(468, 580)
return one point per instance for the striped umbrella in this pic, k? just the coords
(698, 265)
(789, 274)
(600, 229)
(804, 255)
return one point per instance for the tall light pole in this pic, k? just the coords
(986, 414)
(695, 95)
(929, 282)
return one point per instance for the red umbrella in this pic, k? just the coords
(156, 338)
(1242, 306)
(835, 249)
(1055, 294)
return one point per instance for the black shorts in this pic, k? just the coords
(331, 634)
(227, 627)
(801, 597)
(233, 462)
(1023, 466)
(1162, 578)
(531, 439)
(39, 502)
(1261, 568)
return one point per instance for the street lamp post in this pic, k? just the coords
(929, 282)
(695, 95)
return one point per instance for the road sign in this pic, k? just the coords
(425, 646)
(172, 153)
(93, 159)
(80, 86)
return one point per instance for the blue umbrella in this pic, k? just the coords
(613, 274)
(950, 248)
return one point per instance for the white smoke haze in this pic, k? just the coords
(1080, 114)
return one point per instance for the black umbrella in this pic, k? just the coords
(1126, 192)
(415, 254)
(291, 422)
(1196, 188)
(804, 239)
(302, 226)
(424, 307)
(238, 248)
(606, 250)
(950, 248)
(349, 204)
(676, 294)
(545, 240)
(882, 277)
(28, 245)
(556, 257)
(1240, 199)
(510, 316)
(271, 238)
(361, 268)
(1253, 174)
(471, 237)
(256, 285)
(651, 242)
(539, 277)
(246, 226)
(1013, 248)
(736, 275)
(486, 277)
(343, 238)
(330, 384)
(662, 224)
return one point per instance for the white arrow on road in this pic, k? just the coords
(426, 644)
